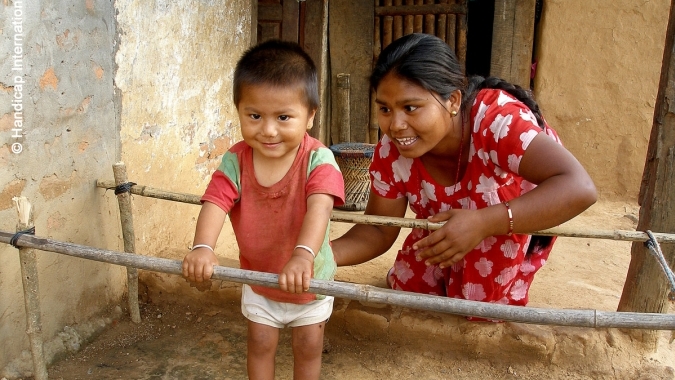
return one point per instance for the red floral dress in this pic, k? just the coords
(497, 269)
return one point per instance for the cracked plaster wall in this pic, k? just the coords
(175, 65)
(60, 71)
(145, 82)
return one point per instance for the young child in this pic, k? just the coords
(474, 153)
(279, 186)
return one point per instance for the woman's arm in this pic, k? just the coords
(564, 190)
(365, 242)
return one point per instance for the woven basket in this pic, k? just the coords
(354, 160)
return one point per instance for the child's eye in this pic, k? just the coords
(284, 117)
(410, 108)
(254, 116)
(384, 109)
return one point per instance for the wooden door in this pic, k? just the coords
(281, 19)
(446, 19)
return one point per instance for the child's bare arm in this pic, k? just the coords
(297, 272)
(198, 264)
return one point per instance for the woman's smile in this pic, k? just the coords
(406, 141)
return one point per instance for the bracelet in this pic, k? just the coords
(508, 210)
(306, 248)
(201, 246)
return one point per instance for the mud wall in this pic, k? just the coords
(597, 80)
(58, 128)
(147, 83)
(175, 65)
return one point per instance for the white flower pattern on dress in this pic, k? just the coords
(519, 290)
(403, 272)
(401, 169)
(484, 267)
(381, 187)
(528, 116)
(486, 244)
(480, 115)
(474, 292)
(483, 156)
(526, 267)
(527, 138)
(500, 126)
(431, 275)
(514, 162)
(504, 98)
(506, 275)
(486, 184)
(510, 249)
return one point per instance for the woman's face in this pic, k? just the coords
(415, 119)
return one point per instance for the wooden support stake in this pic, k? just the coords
(126, 217)
(646, 288)
(31, 290)
(369, 293)
(343, 106)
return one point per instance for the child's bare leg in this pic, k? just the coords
(307, 348)
(262, 348)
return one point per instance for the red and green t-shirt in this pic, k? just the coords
(267, 220)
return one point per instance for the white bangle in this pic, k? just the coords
(306, 248)
(202, 246)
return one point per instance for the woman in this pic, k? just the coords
(475, 154)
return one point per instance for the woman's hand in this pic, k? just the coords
(463, 231)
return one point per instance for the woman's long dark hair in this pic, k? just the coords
(429, 62)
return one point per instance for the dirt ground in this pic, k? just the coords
(187, 334)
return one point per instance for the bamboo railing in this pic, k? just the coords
(349, 217)
(369, 293)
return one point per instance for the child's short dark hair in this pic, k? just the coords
(277, 63)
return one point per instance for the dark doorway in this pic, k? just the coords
(479, 36)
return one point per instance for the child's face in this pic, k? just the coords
(274, 119)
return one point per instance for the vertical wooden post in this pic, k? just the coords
(124, 201)
(418, 20)
(342, 103)
(512, 39)
(398, 23)
(646, 288)
(31, 291)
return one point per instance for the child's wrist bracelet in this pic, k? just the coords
(201, 246)
(306, 248)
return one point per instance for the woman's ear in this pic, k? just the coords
(455, 101)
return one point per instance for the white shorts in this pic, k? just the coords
(259, 309)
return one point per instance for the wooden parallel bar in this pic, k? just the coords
(350, 217)
(368, 293)
(420, 9)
